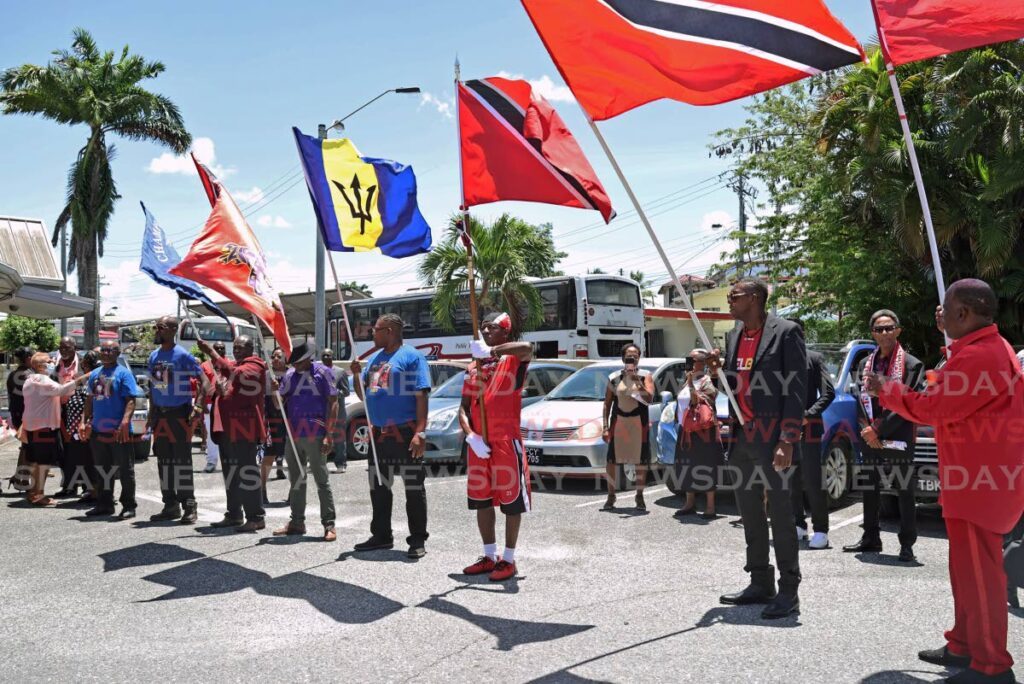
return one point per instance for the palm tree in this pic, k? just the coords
(645, 284)
(102, 91)
(506, 252)
(357, 287)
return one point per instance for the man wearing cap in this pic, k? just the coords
(496, 468)
(311, 409)
(394, 386)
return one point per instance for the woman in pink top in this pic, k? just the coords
(41, 423)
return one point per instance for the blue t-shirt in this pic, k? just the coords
(111, 388)
(391, 383)
(170, 374)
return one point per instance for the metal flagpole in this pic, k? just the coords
(277, 394)
(357, 379)
(468, 243)
(664, 257)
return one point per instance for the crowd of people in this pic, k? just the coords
(78, 415)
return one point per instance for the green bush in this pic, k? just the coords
(18, 331)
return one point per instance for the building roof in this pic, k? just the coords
(662, 312)
(299, 308)
(25, 245)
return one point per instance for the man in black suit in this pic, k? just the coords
(888, 440)
(807, 481)
(766, 364)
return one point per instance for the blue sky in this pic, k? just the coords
(243, 75)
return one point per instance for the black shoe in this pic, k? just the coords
(639, 502)
(709, 516)
(169, 513)
(97, 512)
(227, 522)
(975, 677)
(126, 513)
(416, 552)
(865, 545)
(279, 475)
(942, 656)
(65, 494)
(609, 503)
(266, 499)
(190, 516)
(683, 512)
(749, 596)
(373, 544)
(907, 555)
(785, 604)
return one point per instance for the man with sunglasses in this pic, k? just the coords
(394, 386)
(888, 440)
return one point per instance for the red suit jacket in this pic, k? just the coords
(976, 404)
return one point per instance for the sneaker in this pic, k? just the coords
(801, 533)
(818, 541)
(168, 513)
(210, 467)
(503, 570)
(483, 565)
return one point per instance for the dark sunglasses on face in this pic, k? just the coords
(733, 296)
(884, 328)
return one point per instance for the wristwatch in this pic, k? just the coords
(421, 435)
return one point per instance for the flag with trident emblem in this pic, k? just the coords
(362, 203)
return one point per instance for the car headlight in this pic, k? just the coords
(589, 430)
(442, 420)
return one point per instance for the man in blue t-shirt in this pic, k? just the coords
(107, 424)
(394, 388)
(173, 418)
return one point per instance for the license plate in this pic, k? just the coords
(533, 455)
(928, 485)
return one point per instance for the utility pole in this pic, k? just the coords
(64, 274)
(319, 299)
(741, 192)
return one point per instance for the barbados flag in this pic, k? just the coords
(362, 203)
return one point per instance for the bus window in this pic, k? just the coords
(211, 332)
(559, 307)
(613, 293)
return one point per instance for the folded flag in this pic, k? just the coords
(919, 29)
(159, 257)
(616, 55)
(515, 146)
(227, 258)
(362, 203)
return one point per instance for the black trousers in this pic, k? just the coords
(807, 481)
(903, 479)
(113, 461)
(757, 476)
(242, 482)
(78, 467)
(395, 459)
(172, 445)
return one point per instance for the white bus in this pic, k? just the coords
(585, 317)
(215, 329)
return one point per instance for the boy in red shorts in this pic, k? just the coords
(496, 467)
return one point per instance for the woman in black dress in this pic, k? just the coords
(699, 453)
(77, 453)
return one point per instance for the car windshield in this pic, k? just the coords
(834, 363)
(451, 389)
(586, 384)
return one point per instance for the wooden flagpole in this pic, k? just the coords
(357, 378)
(664, 257)
(468, 243)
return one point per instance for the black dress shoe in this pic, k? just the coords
(907, 555)
(168, 513)
(127, 513)
(865, 545)
(942, 656)
(975, 677)
(227, 522)
(416, 552)
(683, 512)
(749, 596)
(96, 512)
(785, 604)
(374, 543)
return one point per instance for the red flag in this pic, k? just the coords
(919, 29)
(619, 54)
(227, 258)
(515, 146)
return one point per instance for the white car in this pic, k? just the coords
(562, 432)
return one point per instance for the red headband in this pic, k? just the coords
(503, 321)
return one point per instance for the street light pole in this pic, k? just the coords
(319, 297)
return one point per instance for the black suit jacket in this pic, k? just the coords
(889, 424)
(820, 393)
(778, 380)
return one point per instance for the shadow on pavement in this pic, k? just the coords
(901, 677)
(146, 554)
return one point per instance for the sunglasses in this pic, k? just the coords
(732, 297)
(884, 328)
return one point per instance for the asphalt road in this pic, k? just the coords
(615, 597)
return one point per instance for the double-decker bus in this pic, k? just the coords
(585, 317)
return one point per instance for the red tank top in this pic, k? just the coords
(503, 395)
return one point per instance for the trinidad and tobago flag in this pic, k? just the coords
(616, 55)
(515, 146)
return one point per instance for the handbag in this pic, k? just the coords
(699, 418)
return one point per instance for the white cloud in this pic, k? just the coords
(544, 86)
(443, 107)
(249, 196)
(269, 221)
(204, 150)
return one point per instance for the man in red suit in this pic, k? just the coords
(976, 404)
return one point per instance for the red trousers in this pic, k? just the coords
(979, 596)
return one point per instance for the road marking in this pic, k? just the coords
(849, 521)
(646, 491)
(445, 480)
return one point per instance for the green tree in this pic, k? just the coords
(357, 287)
(644, 282)
(18, 331)
(506, 253)
(103, 91)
